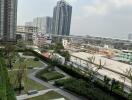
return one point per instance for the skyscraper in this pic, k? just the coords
(129, 36)
(49, 24)
(62, 18)
(8, 18)
(44, 24)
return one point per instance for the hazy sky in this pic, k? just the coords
(105, 18)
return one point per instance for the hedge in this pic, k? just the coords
(49, 75)
(84, 88)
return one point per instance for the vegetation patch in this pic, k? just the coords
(49, 75)
(6, 89)
(115, 92)
(30, 63)
(85, 89)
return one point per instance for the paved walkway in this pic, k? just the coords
(25, 56)
(26, 96)
(58, 90)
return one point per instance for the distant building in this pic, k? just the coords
(62, 18)
(20, 29)
(49, 24)
(130, 37)
(24, 36)
(40, 39)
(44, 24)
(65, 43)
(29, 24)
(26, 32)
(8, 18)
(28, 29)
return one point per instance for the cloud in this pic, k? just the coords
(102, 7)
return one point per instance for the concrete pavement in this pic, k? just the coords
(26, 96)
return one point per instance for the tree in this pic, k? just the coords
(65, 54)
(21, 73)
(21, 45)
(127, 72)
(10, 54)
(58, 47)
(91, 65)
(106, 80)
(113, 82)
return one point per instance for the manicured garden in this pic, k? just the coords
(49, 75)
(86, 89)
(48, 96)
(33, 63)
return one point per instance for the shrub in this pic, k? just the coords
(85, 89)
(49, 75)
(36, 59)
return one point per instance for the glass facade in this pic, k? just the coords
(62, 18)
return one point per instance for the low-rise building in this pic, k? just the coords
(41, 39)
(26, 29)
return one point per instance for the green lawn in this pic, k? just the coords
(48, 96)
(51, 75)
(28, 83)
(29, 63)
(32, 63)
(32, 85)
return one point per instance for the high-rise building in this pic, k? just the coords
(48, 25)
(8, 18)
(44, 24)
(130, 37)
(62, 18)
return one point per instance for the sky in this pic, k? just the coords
(103, 18)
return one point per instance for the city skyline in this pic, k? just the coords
(109, 18)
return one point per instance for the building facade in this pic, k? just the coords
(26, 32)
(8, 19)
(130, 37)
(48, 24)
(62, 18)
(28, 29)
(44, 24)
